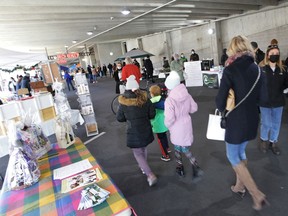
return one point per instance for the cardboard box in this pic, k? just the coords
(37, 85)
(48, 113)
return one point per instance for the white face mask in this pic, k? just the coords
(119, 68)
(192, 52)
(182, 56)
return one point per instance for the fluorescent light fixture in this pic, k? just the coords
(111, 53)
(66, 46)
(74, 41)
(89, 33)
(125, 12)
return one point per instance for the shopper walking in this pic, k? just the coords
(136, 109)
(158, 125)
(272, 102)
(178, 106)
(240, 74)
(117, 77)
(68, 79)
(130, 69)
(178, 66)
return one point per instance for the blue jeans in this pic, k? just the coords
(270, 123)
(236, 152)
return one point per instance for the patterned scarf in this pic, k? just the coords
(232, 58)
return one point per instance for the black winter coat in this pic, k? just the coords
(139, 129)
(273, 85)
(242, 123)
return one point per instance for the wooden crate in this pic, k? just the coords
(48, 113)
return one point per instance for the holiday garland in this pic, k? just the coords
(19, 67)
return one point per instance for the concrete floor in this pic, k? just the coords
(172, 195)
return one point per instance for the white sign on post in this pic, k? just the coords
(193, 74)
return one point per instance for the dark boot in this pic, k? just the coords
(197, 172)
(274, 148)
(263, 146)
(180, 170)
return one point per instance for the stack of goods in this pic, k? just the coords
(34, 140)
(22, 171)
(92, 196)
(64, 132)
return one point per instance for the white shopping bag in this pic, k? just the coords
(214, 131)
(122, 89)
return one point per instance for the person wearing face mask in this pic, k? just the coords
(194, 56)
(117, 76)
(183, 58)
(272, 99)
(177, 65)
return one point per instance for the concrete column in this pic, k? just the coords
(216, 42)
(96, 55)
(167, 45)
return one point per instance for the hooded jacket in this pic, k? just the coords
(178, 106)
(139, 130)
(158, 125)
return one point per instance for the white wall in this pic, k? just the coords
(131, 44)
(265, 26)
(260, 27)
(104, 52)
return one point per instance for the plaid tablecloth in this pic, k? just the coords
(45, 197)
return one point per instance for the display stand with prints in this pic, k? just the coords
(86, 104)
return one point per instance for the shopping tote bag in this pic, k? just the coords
(214, 131)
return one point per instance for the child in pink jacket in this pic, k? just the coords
(178, 106)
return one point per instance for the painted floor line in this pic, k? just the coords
(90, 140)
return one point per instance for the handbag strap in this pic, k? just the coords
(255, 83)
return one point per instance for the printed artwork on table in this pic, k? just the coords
(80, 180)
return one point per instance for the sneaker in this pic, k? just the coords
(165, 158)
(152, 180)
(180, 170)
(197, 173)
(168, 150)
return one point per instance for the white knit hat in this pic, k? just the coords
(172, 80)
(132, 84)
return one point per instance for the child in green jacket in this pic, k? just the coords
(158, 126)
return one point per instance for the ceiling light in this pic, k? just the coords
(66, 46)
(210, 31)
(125, 12)
(111, 53)
(74, 41)
(89, 33)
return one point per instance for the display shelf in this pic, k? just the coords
(86, 105)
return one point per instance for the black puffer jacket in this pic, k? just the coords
(242, 123)
(273, 85)
(139, 130)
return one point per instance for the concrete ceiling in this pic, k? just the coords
(33, 25)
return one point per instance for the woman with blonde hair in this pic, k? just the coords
(242, 75)
(273, 100)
